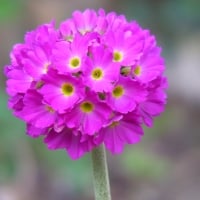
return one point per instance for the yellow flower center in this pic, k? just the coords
(67, 89)
(87, 107)
(137, 71)
(97, 74)
(118, 91)
(74, 62)
(117, 56)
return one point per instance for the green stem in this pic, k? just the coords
(100, 174)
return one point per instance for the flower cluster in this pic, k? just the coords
(96, 79)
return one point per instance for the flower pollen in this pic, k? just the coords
(118, 91)
(75, 62)
(87, 107)
(67, 89)
(97, 74)
(137, 70)
(117, 56)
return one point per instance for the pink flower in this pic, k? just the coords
(36, 62)
(34, 131)
(70, 56)
(62, 92)
(121, 131)
(126, 95)
(149, 66)
(100, 72)
(153, 105)
(85, 22)
(36, 112)
(44, 35)
(37, 55)
(19, 81)
(126, 42)
(96, 79)
(74, 142)
(89, 115)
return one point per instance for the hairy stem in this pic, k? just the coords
(100, 174)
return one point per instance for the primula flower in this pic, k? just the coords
(120, 131)
(62, 92)
(95, 80)
(86, 21)
(74, 142)
(70, 56)
(126, 95)
(37, 53)
(36, 112)
(101, 73)
(126, 49)
(89, 115)
(19, 81)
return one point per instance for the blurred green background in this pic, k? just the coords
(165, 165)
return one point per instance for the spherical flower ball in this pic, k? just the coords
(95, 80)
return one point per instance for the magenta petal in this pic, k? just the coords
(35, 112)
(35, 131)
(53, 94)
(19, 82)
(101, 59)
(89, 123)
(127, 131)
(66, 139)
(55, 140)
(133, 94)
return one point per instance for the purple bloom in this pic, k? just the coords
(121, 131)
(36, 62)
(70, 56)
(126, 48)
(153, 105)
(19, 81)
(149, 66)
(101, 73)
(96, 79)
(62, 92)
(35, 131)
(36, 112)
(74, 142)
(85, 22)
(37, 54)
(126, 95)
(89, 115)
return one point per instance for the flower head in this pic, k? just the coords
(96, 79)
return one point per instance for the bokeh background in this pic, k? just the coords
(165, 165)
